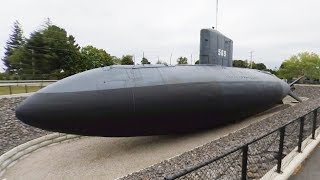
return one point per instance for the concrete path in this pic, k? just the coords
(310, 169)
(110, 158)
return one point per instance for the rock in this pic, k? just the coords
(12, 131)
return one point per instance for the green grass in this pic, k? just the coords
(5, 90)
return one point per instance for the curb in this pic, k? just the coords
(293, 159)
(17, 153)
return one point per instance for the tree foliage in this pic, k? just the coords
(15, 42)
(93, 57)
(182, 60)
(116, 60)
(162, 62)
(50, 51)
(304, 64)
(16, 59)
(127, 60)
(145, 61)
(240, 63)
(260, 66)
(246, 64)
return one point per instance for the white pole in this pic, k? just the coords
(251, 59)
(217, 10)
(134, 60)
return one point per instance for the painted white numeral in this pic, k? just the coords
(222, 53)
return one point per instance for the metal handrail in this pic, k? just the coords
(244, 148)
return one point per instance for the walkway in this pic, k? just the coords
(310, 169)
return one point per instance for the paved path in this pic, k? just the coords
(110, 158)
(310, 168)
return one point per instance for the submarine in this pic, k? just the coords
(141, 100)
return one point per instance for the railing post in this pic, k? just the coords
(280, 152)
(314, 123)
(10, 90)
(244, 162)
(301, 133)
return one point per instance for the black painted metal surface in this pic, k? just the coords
(151, 100)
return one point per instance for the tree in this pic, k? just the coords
(16, 60)
(240, 63)
(47, 23)
(93, 57)
(307, 64)
(272, 71)
(50, 51)
(127, 60)
(145, 61)
(16, 41)
(182, 60)
(246, 64)
(116, 60)
(161, 62)
(260, 66)
(2, 76)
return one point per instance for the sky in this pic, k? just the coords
(273, 29)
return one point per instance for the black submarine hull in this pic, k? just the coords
(150, 110)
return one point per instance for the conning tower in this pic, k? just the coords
(215, 48)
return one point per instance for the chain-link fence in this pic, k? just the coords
(255, 159)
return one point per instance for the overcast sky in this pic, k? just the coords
(273, 29)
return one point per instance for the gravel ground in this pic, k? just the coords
(12, 131)
(261, 154)
(310, 91)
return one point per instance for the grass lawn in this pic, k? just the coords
(5, 90)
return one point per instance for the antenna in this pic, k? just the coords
(217, 10)
(251, 62)
(134, 60)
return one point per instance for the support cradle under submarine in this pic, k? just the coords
(155, 99)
